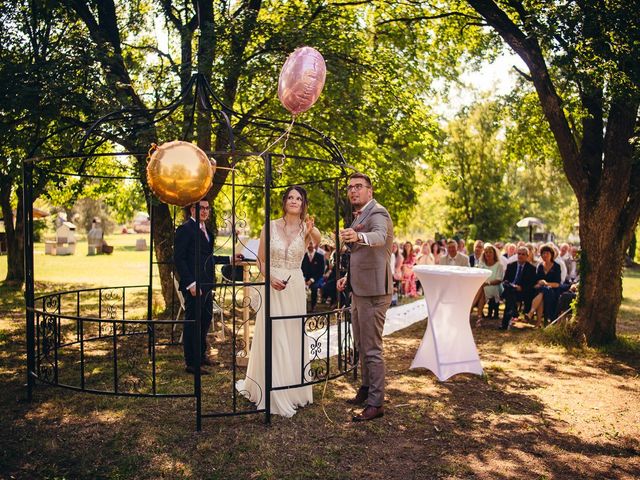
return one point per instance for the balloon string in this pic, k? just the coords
(284, 145)
(284, 135)
(152, 149)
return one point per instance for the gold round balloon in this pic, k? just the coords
(180, 173)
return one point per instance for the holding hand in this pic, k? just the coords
(341, 284)
(278, 284)
(348, 235)
(237, 258)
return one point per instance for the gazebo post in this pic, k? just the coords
(27, 216)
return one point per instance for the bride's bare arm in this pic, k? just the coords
(312, 232)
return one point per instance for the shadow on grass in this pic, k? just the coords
(495, 426)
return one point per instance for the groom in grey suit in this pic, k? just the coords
(369, 237)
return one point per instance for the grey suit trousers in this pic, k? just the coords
(367, 320)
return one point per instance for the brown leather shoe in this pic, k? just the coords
(369, 413)
(360, 398)
(192, 370)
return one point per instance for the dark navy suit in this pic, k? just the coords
(526, 279)
(313, 268)
(186, 258)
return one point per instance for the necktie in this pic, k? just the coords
(518, 272)
(356, 214)
(204, 230)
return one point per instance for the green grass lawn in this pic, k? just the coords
(125, 266)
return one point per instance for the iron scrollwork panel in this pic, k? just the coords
(47, 325)
(316, 333)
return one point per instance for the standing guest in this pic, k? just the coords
(408, 276)
(492, 287)
(185, 258)
(544, 304)
(478, 248)
(453, 257)
(518, 283)
(313, 270)
(370, 237)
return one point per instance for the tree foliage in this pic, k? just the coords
(582, 61)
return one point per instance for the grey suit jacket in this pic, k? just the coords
(369, 268)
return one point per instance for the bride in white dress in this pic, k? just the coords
(289, 237)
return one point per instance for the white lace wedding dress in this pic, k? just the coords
(286, 350)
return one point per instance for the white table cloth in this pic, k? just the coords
(448, 346)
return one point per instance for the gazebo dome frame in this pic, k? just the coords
(61, 324)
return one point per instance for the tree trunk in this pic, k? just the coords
(601, 263)
(15, 237)
(163, 247)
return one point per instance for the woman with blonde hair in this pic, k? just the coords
(426, 257)
(492, 287)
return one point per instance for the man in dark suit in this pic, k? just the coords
(185, 258)
(478, 249)
(313, 270)
(518, 283)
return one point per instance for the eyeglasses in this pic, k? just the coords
(357, 187)
(203, 207)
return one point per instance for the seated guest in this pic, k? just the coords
(395, 262)
(573, 265)
(453, 257)
(313, 271)
(436, 252)
(518, 283)
(566, 298)
(568, 254)
(462, 247)
(509, 250)
(409, 287)
(545, 302)
(492, 286)
(560, 261)
(426, 257)
(329, 291)
(478, 248)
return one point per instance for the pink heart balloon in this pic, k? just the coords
(301, 80)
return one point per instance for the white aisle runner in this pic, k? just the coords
(397, 319)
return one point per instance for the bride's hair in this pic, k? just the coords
(305, 204)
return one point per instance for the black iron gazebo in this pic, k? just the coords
(111, 340)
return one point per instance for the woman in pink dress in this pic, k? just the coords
(408, 277)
